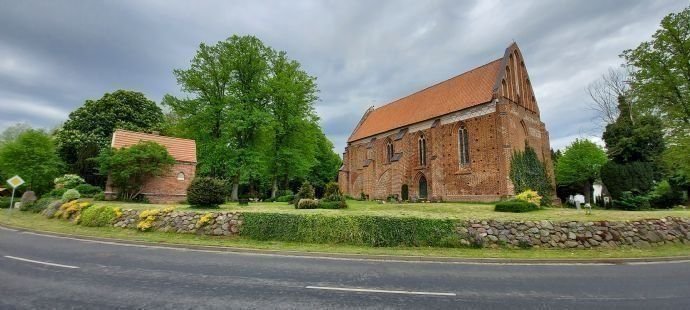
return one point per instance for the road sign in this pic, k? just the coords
(15, 181)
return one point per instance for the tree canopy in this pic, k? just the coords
(89, 128)
(631, 139)
(580, 164)
(32, 156)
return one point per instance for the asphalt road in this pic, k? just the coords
(93, 275)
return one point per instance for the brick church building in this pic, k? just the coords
(452, 141)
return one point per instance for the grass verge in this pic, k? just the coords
(37, 222)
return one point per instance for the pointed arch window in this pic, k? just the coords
(389, 150)
(422, 151)
(180, 176)
(463, 146)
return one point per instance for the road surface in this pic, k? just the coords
(49, 272)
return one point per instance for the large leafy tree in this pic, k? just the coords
(12, 133)
(251, 113)
(327, 163)
(580, 165)
(292, 94)
(89, 128)
(632, 139)
(32, 156)
(129, 168)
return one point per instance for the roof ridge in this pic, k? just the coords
(153, 135)
(439, 83)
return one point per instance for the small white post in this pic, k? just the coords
(12, 199)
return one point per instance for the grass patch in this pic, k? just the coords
(448, 210)
(35, 221)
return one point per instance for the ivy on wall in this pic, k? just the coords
(527, 172)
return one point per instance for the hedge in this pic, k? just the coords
(515, 206)
(356, 230)
(98, 216)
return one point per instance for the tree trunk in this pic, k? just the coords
(588, 191)
(275, 188)
(235, 188)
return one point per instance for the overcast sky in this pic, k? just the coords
(56, 54)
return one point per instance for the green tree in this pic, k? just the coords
(32, 156)
(11, 133)
(327, 163)
(580, 165)
(292, 93)
(130, 167)
(632, 139)
(89, 128)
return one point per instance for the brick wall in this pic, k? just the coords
(166, 188)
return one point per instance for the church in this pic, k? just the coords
(452, 141)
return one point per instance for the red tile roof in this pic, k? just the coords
(180, 149)
(466, 90)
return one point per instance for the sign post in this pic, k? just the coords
(15, 182)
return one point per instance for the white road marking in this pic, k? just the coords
(40, 262)
(8, 229)
(366, 290)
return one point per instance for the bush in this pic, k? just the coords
(307, 204)
(88, 190)
(665, 196)
(515, 206)
(528, 173)
(284, 192)
(285, 198)
(52, 208)
(68, 181)
(323, 204)
(71, 194)
(305, 192)
(99, 216)
(28, 199)
(4, 202)
(631, 201)
(57, 193)
(356, 230)
(331, 189)
(529, 196)
(72, 210)
(37, 206)
(100, 197)
(206, 193)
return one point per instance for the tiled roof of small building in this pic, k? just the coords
(466, 90)
(180, 149)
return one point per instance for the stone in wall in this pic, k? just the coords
(213, 223)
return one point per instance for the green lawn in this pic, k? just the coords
(37, 222)
(461, 211)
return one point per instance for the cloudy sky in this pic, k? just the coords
(56, 54)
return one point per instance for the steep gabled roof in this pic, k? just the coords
(180, 149)
(466, 90)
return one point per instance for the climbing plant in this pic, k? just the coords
(528, 173)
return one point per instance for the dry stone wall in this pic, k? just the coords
(548, 234)
(212, 223)
(486, 233)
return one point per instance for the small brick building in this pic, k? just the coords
(172, 186)
(452, 141)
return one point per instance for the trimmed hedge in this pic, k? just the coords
(206, 193)
(356, 230)
(285, 198)
(70, 194)
(307, 204)
(515, 206)
(332, 204)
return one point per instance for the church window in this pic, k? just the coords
(422, 151)
(389, 150)
(463, 146)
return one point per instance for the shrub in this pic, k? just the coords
(28, 198)
(52, 209)
(529, 196)
(100, 197)
(72, 210)
(71, 194)
(340, 204)
(665, 196)
(285, 198)
(4, 202)
(631, 201)
(305, 192)
(515, 206)
(307, 204)
(206, 193)
(38, 206)
(527, 172)
(88, 190)
(331, 189)
(68, 181)
(631, 177)
(57, 192)
(356, 230)
(99, 216)
(284, 192)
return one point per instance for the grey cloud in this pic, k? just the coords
(58, 54)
